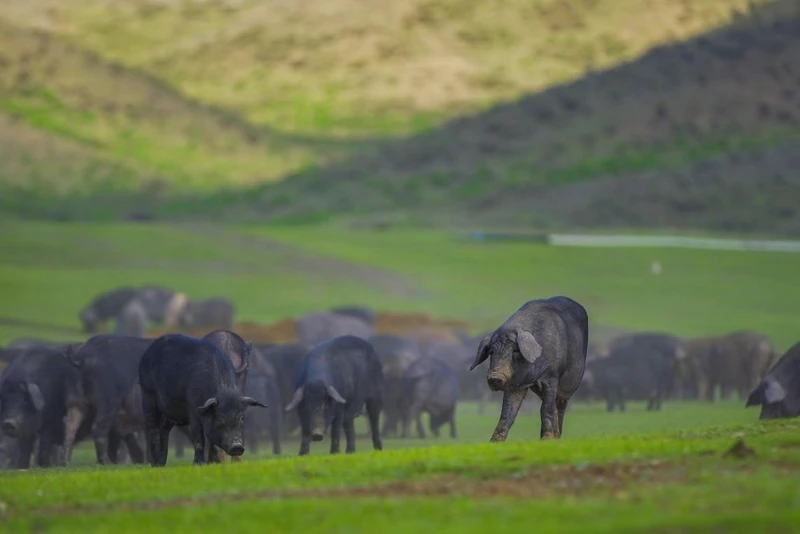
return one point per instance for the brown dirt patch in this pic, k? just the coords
(539, 482)
(420, 327)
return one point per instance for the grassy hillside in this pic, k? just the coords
(165, 102)
(700, 134)
(683, 481)
(76, 125)
(48, 271)
(343, 66)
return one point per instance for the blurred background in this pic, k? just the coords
(424, 160)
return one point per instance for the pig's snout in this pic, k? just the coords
(495, 383)
(316, 436)
(10, 427)
(237, 449)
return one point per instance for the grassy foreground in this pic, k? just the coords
(667, 480)
(49, 271)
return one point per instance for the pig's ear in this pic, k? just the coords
(774, 392)
(483, 353)
(756, 396)
(296, 398)
(335, 395)
(210, 403)
(36, 396)
(250, 401)
(528, 346)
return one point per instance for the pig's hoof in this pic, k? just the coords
(497, 438)
(548, 435)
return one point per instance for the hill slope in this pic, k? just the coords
(348, 66)
(221, 93)
(698, 134)
(118, 131)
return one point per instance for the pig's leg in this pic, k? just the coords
(512, 400)
(548, 412)
(134, 450)
(101, 429)
(24, 451)
(152, 428)
(561, 406)
(305, 434)
(350, 435)
(336, 432)
(113, 443)
(420, 427)
(198, 440)
(374, 414)
(276, 429)
(72, 421)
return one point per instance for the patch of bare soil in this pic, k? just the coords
(541, 482)
(417, 326)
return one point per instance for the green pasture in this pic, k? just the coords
(49, 270)
(612, 472)
(663, 472)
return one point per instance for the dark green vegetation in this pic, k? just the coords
(546, 113)
(666, 481)
(48, 271)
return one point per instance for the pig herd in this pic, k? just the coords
(127, 392)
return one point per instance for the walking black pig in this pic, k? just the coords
(189, 381)
(338, 379)
(541, 347)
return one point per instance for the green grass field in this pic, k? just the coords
(48, 271)
(611, 472)
(661, 472)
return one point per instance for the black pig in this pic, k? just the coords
(37, 390)
(541, 347)
(779, 391)
(109, 369)
(189, 381)
(337, 380)
(429, 385)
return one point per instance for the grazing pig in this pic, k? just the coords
(429, 385)
(541, 347)
(317, 328)
(213, 312)
(396, 354)
(338, 379)
(189, 381)
(155, 300)
(109, 371)
(132, 320)
(779, 391)
(104, 307)
(640, 366)
(37, 390)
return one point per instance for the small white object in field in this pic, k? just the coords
(655, 268)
